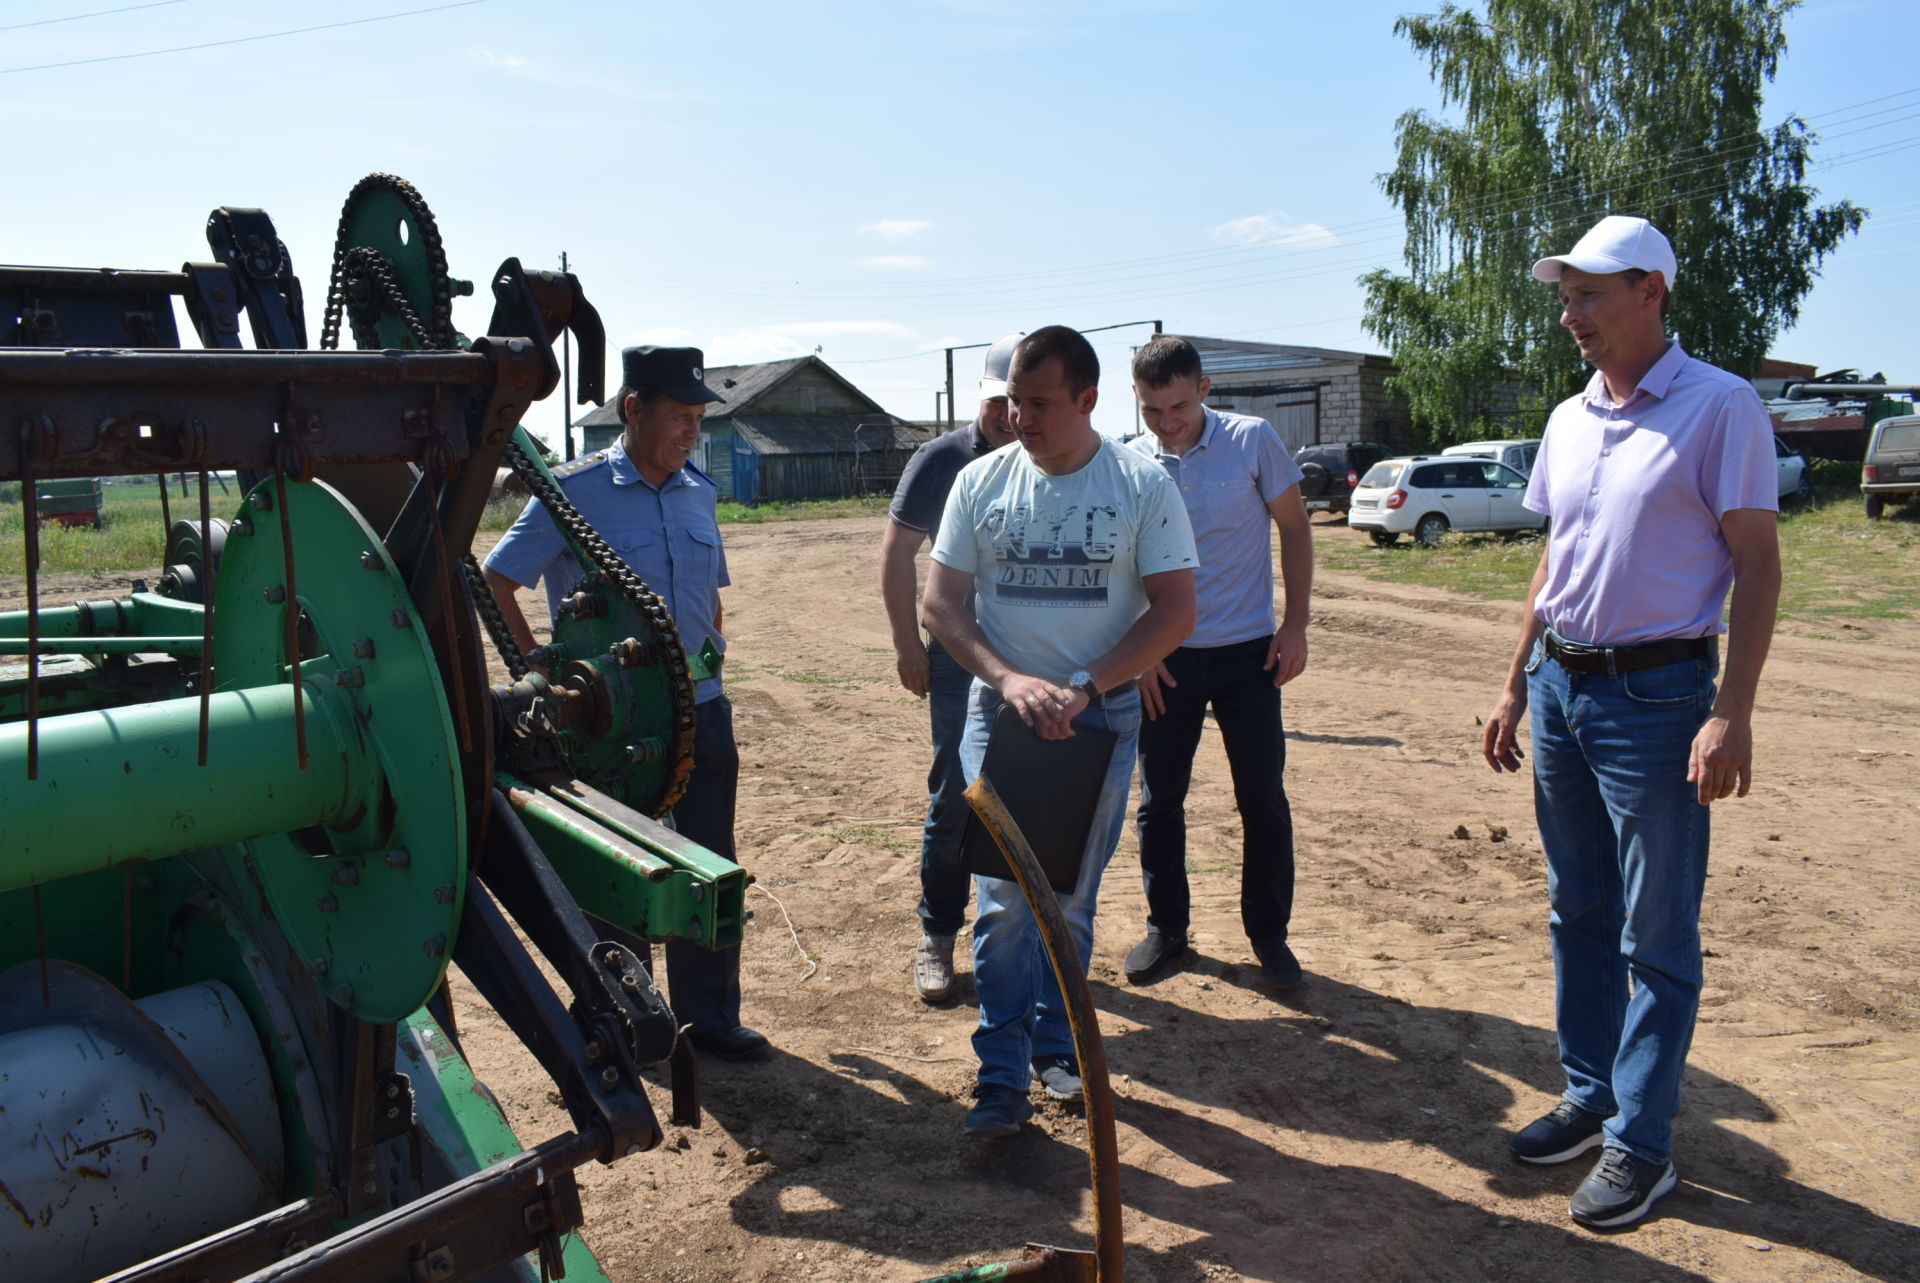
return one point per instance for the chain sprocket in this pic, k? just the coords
(437, 332)
(361, 286)
(607, 564)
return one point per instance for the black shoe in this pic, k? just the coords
(1000, 1112)
(1620, 1189)
(1152, 957)
(737, 1043)
(1563, 1132)
(1277, 962)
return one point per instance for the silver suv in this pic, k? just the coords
(1891, 469)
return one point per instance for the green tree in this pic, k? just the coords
(1575, 109)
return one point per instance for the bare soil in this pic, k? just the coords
(1354, 1128)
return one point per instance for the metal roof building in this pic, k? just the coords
(792, 429)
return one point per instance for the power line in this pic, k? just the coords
(240, 40)
(97, 13)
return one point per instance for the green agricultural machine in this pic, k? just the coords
(250, 815)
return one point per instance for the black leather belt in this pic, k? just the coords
(1611, 661)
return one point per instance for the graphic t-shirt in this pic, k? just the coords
(1058, 561)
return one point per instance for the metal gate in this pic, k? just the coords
(1292, 408)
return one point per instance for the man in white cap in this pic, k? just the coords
(929, 672)
(1659, 480)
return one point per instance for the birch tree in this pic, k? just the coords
(1572, 110)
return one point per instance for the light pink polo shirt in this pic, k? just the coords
(1636, 492)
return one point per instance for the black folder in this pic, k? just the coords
(1050, 787)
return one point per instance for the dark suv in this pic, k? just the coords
(1329, 472)
(1891, 469)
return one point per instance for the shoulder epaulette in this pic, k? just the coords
(579, 465)
(701, 473)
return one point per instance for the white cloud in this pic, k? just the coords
(894, 229)
(894, 262)
(1276, 228)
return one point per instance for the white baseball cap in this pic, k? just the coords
(993, 382)
(1615, 244)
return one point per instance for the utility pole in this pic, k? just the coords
(566, 382)
(962, 347)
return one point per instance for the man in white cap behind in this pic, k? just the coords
(1659, 479)
(929, 672)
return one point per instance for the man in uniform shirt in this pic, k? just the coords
(1079, 559)
(928, 671)
(1660, 482)
(1235, 477)
(658, 512)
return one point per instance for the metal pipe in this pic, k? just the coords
(163, 803)
(71, 645)
(1848, 391)
(1103, 1154)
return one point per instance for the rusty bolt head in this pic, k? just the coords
(363, 648)
(400, 618)
(346, 875)
(393, 1091)
(593, 1052)
(697, 892)
(609, 1078)
(263, 501)
(327, 904)
(342, 994)
(275, 594)
(350, 678)
(393, 1111)
(370, 560)
(317, 966)
(443, 894)
(144, 882)
(435, 947)
(241, 527)
(399, 858)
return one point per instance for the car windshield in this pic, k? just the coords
(1382, 475)
(1900, 436)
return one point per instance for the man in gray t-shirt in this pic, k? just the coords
(1081, 560)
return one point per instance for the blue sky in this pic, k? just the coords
(872, 180)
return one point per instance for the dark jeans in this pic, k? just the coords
(1246, 707)
(704, 984)
(944, 881)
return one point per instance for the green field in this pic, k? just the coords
(1840, 570)
(134, 537)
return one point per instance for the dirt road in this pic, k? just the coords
(1356, 1128)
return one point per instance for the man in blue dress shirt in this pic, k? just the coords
(1236, 478)
(657, 510)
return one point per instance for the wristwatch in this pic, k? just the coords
(1082, 681)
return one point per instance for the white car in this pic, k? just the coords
(1428, 495)
(1518, 455)
(1796, 479)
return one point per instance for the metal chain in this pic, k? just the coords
(441, 329)
(607, 564)
(361, 265)
(494, 619)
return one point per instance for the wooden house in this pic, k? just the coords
(792, 429)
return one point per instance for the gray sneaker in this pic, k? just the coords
(1059, 1076)
(933, 968)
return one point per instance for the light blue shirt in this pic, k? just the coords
(1227, 478)
(1059, 561)
(669, 535)
(1636, 492)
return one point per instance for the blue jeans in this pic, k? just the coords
(1022, 1014)
(943, 877)
(1246, 707)
(1626, 842)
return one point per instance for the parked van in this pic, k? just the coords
(1517, 455)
